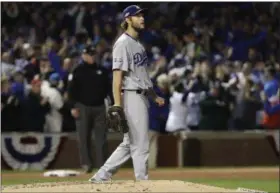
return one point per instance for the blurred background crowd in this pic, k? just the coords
(210, 61)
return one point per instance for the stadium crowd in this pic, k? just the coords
(210, 61)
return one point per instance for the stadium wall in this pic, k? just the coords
(194, 149)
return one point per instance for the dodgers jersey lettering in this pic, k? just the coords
(129, 55)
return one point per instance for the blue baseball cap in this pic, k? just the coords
(54, 78)
(131, 11)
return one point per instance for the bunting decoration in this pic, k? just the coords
(29, 151)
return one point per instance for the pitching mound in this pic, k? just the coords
(116, 186)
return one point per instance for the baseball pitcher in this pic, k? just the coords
(131, 87)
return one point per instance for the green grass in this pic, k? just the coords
(263, 185)
(33, 180)
(161, 168)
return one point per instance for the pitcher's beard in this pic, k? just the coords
(137, 29)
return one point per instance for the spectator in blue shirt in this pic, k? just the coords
(158, 117)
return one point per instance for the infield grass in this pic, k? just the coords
(262, 185)
(37, 180)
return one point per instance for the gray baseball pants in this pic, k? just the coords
(135, 143)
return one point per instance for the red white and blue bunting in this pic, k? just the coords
(29, 151)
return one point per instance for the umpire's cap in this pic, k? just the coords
(132, 10)
(90, 49)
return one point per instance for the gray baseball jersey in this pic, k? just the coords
(130, 56)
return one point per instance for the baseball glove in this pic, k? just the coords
(116, 119)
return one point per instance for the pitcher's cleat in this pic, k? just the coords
(99, 180)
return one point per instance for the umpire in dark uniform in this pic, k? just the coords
(89, 85)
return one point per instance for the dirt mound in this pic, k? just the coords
(116, 186)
